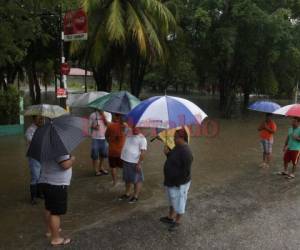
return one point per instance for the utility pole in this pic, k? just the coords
(63, 78)
(296, 93)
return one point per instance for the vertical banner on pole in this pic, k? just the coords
(75, 25)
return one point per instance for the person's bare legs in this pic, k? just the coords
(137, 189)
(96, 166)
(127, 188)
(268, 159)
(286, 167)
(101, 167)
(177, 218)
(54, 224)
(47, 221)
(263, 163)
(114, 175)
(172, 213)
(294, 170)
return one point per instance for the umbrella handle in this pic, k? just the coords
(153, 139)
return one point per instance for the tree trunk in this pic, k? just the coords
(31, 86)
(137, 72)
(246, 98)
(3, 85)
(222, 89)
(102, 76)
(34, 87)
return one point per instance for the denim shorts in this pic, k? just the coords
(177, 197)
(35, 170)
(99, 149)
(130, 174)
(266, 146)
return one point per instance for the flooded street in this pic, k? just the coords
(233, 204)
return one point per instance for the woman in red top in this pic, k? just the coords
(266, 131)
(115, 137)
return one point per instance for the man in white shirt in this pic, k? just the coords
(34, 165)
(98, 122)
(132, 155)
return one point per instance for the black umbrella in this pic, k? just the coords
(57, 137)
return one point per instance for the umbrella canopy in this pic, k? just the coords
(167, 136)
(264, 106)
(57, 137)
(289, 110)
(165, 112)
(82, 100)
(46, 110)
(121, 102)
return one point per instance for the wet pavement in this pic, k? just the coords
(233, 204)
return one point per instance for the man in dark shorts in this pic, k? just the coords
(292, 148)
(116, 138)
(55, 178)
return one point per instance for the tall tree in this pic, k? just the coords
(135, 31)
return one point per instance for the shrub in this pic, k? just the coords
(9, 106)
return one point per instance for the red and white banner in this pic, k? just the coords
(75, 25)
(65, 69)
(61, 93)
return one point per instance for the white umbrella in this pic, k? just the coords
(283, 110)
(46, 110)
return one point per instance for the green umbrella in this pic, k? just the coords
(121, 102)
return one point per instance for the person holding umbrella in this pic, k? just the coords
(177, 178)
(55, 179)
(52, 145)
(98, 122)
(292, 148)
(116, 138)
(34, 165)
(266, 131)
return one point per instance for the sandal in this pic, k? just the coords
(62, 242)
(290, 176)
(282, 173)
(98, 173)
(104, 172)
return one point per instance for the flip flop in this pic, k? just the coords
(282, 173)
(98, 173)
(290, 176)
(104, 172)
(62, 243)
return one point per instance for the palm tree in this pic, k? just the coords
(126, 31)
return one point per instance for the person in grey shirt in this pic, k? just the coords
(55, 178)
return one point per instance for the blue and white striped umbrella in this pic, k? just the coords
(165, 112)
(264, 106)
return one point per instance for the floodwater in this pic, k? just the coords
(233, 204)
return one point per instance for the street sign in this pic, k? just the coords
(65, 69)
(75, 25)
(61, 93)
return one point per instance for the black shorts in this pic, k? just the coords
(55, 198)
(115, 162)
